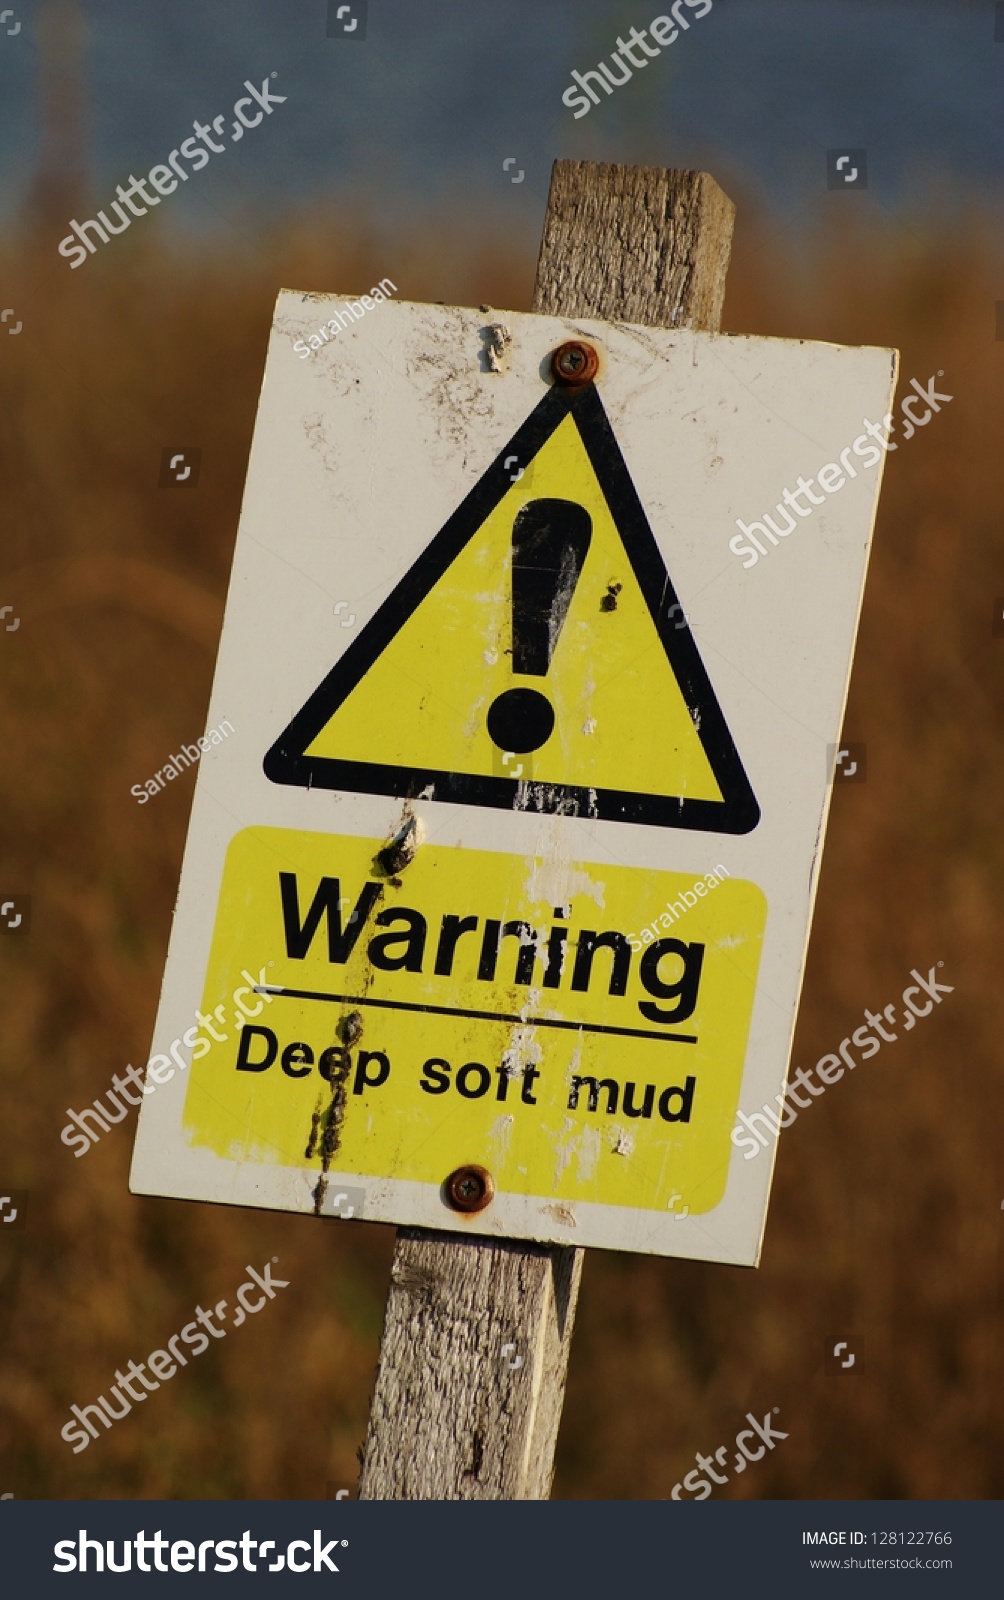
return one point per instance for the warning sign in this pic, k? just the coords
(540, 620)
(544, 1042)
(508, 868)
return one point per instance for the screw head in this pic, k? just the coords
(574, 363)
(470, 1189)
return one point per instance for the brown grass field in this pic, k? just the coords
(886, 1216)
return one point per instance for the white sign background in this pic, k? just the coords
(360, 454)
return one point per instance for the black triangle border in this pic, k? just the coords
(737, 813)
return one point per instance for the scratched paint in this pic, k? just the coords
(479, 1001)
(358, 466)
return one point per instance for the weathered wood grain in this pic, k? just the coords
(634, 244)
(477, 1333)
(472, 1370)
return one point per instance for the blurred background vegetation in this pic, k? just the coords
(886, 1218)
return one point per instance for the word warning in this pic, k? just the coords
(489, 1025)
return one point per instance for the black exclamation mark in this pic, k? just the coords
(549, 543)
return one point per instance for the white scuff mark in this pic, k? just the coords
(730, 941)
(577, 1142)
(568, 577)
(489, 657)
(523, 1050)
(524, 795)
(590, 1149)
(553, 880)
(500, 1136)
(561, 1213)
(564, 1148)
(589, 726)
(476, 720)
(497, 340)
(623, 1145)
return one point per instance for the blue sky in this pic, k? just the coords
(441, 92)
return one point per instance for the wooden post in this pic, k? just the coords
(477, 1332)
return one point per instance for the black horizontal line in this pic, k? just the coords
(481, 1016)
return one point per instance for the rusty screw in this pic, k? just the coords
(470, 1189)
(574, 364)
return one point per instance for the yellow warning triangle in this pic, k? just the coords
(535, 655)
